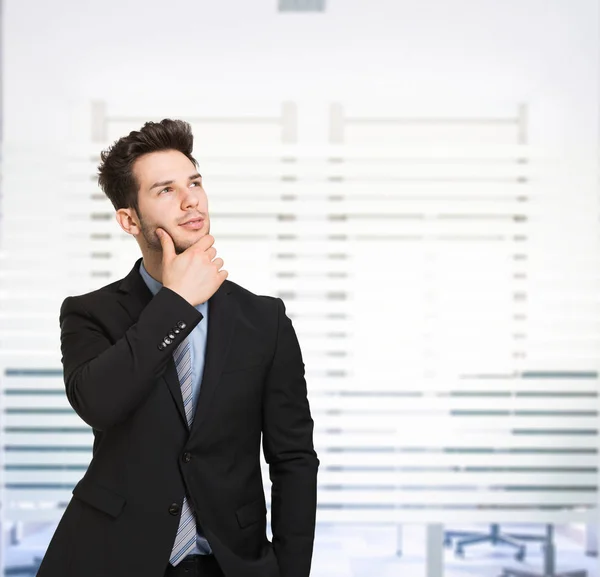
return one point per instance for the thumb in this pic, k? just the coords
(166, 242)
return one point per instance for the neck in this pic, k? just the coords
(153, 264)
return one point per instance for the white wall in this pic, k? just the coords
(60, 54)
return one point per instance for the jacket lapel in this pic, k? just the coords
(222, 313)
(171, 377)
(136, 296)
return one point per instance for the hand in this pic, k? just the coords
(193, 274)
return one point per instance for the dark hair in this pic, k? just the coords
(115, 172)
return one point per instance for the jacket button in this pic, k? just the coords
(176, 330)
(167, 340)
(174, 509)
(181, 325)
(187, 457)
(171, 336)
(162, 346)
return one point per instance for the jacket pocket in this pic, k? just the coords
(99, 497)
(251, 513)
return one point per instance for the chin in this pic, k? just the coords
(180, 246)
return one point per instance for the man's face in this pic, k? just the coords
(170, 194)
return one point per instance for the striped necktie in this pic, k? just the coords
(185, 540)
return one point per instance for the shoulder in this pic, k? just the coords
(246, 296)
(102, 298)
(252, 302)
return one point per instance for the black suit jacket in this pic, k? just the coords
(124, 514)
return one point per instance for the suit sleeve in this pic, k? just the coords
(106, 382)
(288, 449)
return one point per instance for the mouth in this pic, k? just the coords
(194, 224)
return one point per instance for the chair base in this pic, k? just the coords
(549, 562)
(521, 573)
(495, 537)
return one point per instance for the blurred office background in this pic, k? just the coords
(417, 180)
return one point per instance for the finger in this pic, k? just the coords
(218, 262)
(211, 253)
(222, 275)
(166, 243)
(205, 242)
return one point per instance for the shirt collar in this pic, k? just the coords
(152, 283)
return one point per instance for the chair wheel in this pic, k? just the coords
(459, 552)
(520, 555)
(447, 542)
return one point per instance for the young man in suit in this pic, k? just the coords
(180, 372)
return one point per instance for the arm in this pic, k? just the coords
(288, 449)
(106, 382)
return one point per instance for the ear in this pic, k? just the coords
(128, 221)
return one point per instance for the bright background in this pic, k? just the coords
(418, 182)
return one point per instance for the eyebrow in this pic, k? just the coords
(166, 182)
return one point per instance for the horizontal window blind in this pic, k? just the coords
(450, 338)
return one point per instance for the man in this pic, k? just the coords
(179, 371)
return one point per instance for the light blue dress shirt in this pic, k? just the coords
(198, 341)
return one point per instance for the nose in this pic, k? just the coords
(190, 200)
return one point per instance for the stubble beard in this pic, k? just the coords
(153, 242)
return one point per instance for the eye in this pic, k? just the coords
(165, 189)
(195, 183)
